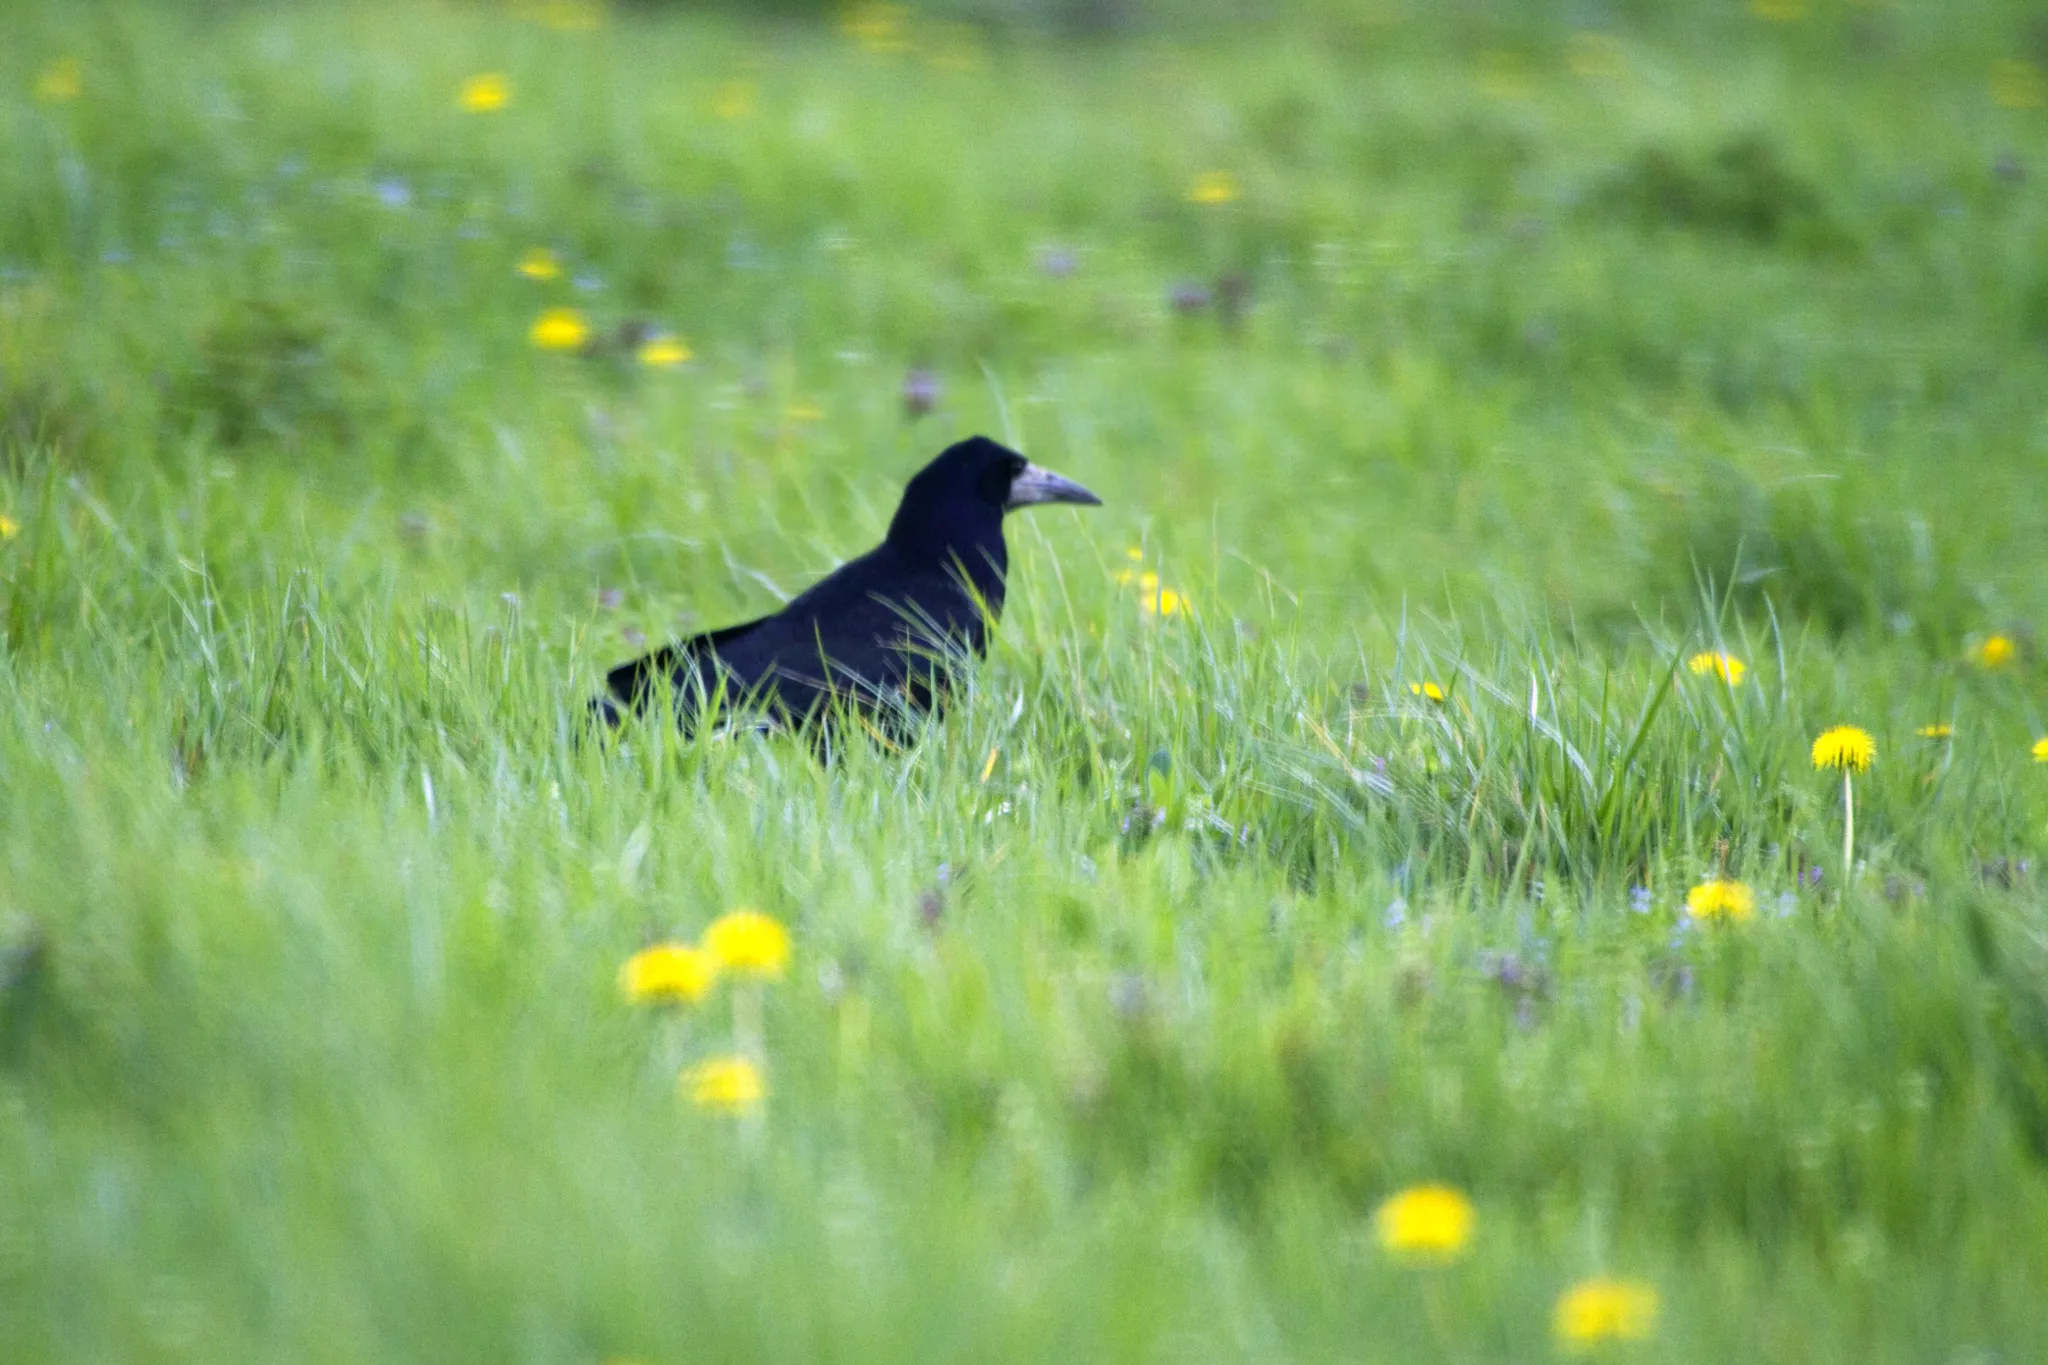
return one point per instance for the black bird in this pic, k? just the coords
(882, 632)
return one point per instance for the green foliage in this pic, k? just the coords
(1791, 548)
(1527, 366)
(270, 375)
(1740, 187)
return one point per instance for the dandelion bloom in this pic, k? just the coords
(668, 972)
(60, 81)
(731, 1085)
(1997, 651)
(665, 353)
(1844, 746)
(733, 100)
(1164, 602)
(1427, 689)
(1727, 665)
(9, 527)
(1213, 188)
(1425, 1222)
(2041, 750)
(560, 329)
(2018, 85)
(540, 264)
(1598, 1310)
(1720, 899)
(1936, 731)
(749, 943)
(486, 93)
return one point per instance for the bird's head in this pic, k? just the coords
(960, 497)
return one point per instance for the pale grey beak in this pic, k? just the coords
(1036, 485)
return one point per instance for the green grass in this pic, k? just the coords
(1122, 998)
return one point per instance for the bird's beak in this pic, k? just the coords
(1036, 485)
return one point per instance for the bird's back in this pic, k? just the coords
(877, 632)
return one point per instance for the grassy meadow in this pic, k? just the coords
(1464, 382)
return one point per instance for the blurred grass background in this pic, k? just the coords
(1524, 350)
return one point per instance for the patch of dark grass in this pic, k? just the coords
(1742, 188)
(273, 375)
(1809, 552)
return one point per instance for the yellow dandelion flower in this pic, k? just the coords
(668, 972)
(485, 93)
(748, 943)
(1778, 11)
(1165, 602)
(1728, 666)
(1425, 1222)
(560, 329)
(1427, 689)
(1852, 750)
(9, 527)
(2041, 750)
(731, 1085)
(2018, 85)
(1213, 188)
(1134, 554)
(540, 264)
(878, 28)
(1936, 731)
(1595, 57)
(805, 412)
(1997, 651)
(665, 353)
(1599, 1310)
(1721, 899)
(1845, 746)
(60, 81)
(733, 100)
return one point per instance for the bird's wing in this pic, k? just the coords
(876, 626)
(632, 684)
